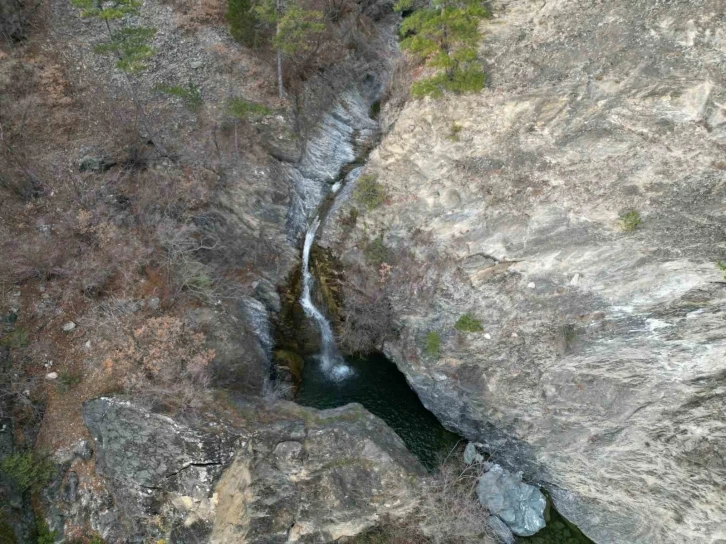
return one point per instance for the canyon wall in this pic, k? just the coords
(576, 208)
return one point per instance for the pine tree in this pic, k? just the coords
(130, 45)
(445, 34)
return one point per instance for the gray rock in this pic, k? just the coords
(83, 450)
(51, 376)
(591, 109)
(153, 303)
(275, 473)
(69, 492)
(69, 327)
(11, 20)
(95, 163)
(521, 506)
(500, 530)
(471, 455)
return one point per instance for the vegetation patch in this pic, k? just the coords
(630, 221)
(190, 95)
(445, 34)
(15, 339)
(722, 266)
(454, 131)
(467, 323)
(369, 193)
(29, 471)
(433, 344)
(376, 251)
(240, 108)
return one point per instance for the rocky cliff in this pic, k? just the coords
(257, 473)
(576, 209)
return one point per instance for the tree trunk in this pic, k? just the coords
(279, 53)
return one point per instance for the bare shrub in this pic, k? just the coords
(32, 257)
(450, 511)
(170, 362)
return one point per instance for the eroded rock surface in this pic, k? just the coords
(259, 473)
(600, 369)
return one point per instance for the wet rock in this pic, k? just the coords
(519, 505)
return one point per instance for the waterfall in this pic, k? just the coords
(330, 359)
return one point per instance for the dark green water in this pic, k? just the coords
(377, 384)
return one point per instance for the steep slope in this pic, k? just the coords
(576, 207)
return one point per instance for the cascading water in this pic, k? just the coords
(331, 361)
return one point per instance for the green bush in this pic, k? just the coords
(376, 251)
(722, 266)
(190, 95)
(467, 323)
(630, 221)
(243, 23)
(15, 339)
(368, 192)
(240, 108)
(454, 131)
(433, 344)
(43, 534)
(446, 35)
(29, 471)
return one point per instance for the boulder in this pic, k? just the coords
(264, 473)
(521, 506)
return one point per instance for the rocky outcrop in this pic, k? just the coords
(253, 473)
(575, 207)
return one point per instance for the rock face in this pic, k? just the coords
(263, 473)
(600, 369)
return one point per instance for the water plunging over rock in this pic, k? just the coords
(330, 358)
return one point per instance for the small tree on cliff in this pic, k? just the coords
(297, 32)
(445, 34)
(130, 45)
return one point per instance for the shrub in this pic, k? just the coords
(467, 323)
(368, 192)
(454, 131)
(433, 344)
(722, 266)
(240, 108)
(190, 95)
(445, 34)
(28, 470)
(376, 251)
(243, 22)
(630, 221)
(43, 534)
(15, 339)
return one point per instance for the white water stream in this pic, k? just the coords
(331, 361)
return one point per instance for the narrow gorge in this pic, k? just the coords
(263, 285)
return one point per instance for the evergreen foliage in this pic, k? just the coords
(445, 34)
(191, 95)
(243, 22)
(433, 344)
(368, 192)
(630, 221)
(467, 323)
(129, 44)
(29, 471)
(240, 108)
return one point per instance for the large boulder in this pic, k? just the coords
(253, 473)
(521, 506)
(576, 208)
